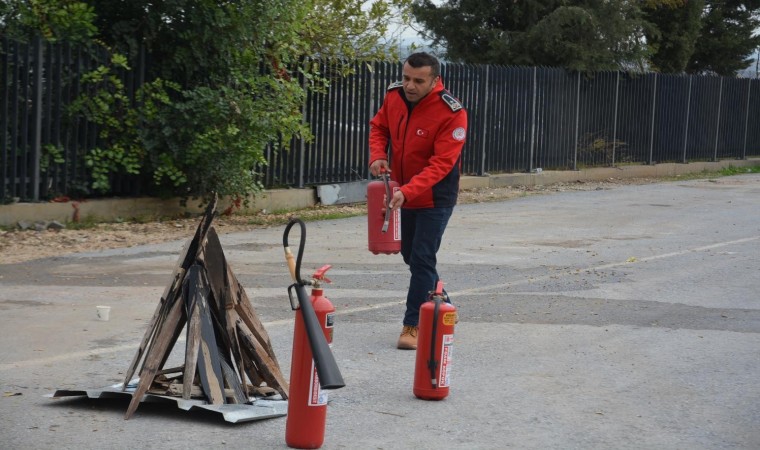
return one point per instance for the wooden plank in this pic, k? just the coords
(177, 332)
(187, 256)
(261, 391)
(200, 233)
(235, 381)
(216, 268)
(176, 389)
(155, 356)
(210, 372)
(268, 369)
(231, 379)
(212, 259)
(260, 346)
(251, 370)
(192, 345)
(221, 305)
(236, 353)
(248, 315)
(225, 303)
(196, 248)
(166, 299)
(232, 292)
(177, 370)
(209, 364)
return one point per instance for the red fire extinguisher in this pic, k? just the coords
(435, 346)
(307, 402)
(383, 225)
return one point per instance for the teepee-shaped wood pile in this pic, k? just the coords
(228, 354)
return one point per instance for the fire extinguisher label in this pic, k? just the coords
(329, 325)
(317, 395)
(396, 220)
(450, 318)
(447, 350)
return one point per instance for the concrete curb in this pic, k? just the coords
(601, 173)
(293, 199)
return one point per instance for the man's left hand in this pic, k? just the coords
(398, 199)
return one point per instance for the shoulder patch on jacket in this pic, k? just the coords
(451, 101)
(395, 85)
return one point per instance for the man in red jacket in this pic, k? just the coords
(426, 128)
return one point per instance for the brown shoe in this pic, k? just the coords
(408, 338)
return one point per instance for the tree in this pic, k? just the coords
(674, 36)
(225, 79)
(55, 19)
(354, 30)
(727, 38)
(582, 35)
(230, 94)
(479, 31)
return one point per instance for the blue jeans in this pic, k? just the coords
(421, 234)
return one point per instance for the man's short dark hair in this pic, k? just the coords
(422, 59)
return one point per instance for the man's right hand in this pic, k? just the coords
(379, 166)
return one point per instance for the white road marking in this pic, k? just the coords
(274, 323)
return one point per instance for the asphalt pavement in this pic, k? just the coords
(625, 318)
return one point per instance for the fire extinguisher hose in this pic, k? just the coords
(327, 369)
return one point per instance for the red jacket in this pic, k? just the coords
(426, 144)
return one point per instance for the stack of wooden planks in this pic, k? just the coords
(228, 354)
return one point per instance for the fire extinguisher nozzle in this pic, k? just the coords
(385, 227)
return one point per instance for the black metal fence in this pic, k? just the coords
(37, 83)
(520, 119)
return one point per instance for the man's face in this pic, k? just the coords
(418, 82)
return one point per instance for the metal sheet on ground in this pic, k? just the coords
(233, 413)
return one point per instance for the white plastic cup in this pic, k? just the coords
(104, 312)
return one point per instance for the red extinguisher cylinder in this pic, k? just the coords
(307, 402)
(435, 347)
(383, 226)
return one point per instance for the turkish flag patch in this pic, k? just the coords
(422, 133)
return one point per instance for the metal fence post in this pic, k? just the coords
(746, 118)
(484, 132)
(717, 124)
(615, 116)
(577, 119)
(651, 133)
(302, 141)
(4, 116)
(533, 121)
(37, 139)
(688, 109)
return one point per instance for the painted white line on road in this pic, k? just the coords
(133, 346)
(481, 289)
(274, 323)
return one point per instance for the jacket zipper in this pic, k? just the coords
(403, 144)
(403, 140)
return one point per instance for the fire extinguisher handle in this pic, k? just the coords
(293, 300)
(319, 274)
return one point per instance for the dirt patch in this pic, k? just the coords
(25, 245)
